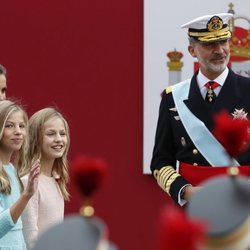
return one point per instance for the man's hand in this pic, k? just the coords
(189, 191)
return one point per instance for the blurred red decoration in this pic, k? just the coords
(88, 173)
(177, 231)
(232, 133)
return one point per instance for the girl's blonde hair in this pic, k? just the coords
(7, 107)
(36, 132)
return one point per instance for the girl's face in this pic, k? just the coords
(54, 139)
(14, 132)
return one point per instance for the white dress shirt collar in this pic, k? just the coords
(202, 80)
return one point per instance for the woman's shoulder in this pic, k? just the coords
(24, 179)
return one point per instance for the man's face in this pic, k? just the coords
(213, 57)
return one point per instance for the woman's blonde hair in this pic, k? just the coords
(36, 132)
(7, 107)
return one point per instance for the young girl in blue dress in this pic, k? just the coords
(13, 198)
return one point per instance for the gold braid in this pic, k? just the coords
(165, 177)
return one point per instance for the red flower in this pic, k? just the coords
(88, 173)
(232, 133)
(177, 231)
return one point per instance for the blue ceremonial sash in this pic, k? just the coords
(202, 138)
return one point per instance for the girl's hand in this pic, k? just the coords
(33, 179)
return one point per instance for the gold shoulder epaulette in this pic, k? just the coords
(168, 89)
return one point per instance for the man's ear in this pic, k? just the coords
(191, 50)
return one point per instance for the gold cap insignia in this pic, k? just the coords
(215, 23)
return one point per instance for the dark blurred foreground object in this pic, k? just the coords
(84, 231)
(224, 204)
(75, 233)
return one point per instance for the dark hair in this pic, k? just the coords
(192, 40)
(3, 70)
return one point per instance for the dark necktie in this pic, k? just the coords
(210, 96)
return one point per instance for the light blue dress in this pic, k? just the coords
(11, 235)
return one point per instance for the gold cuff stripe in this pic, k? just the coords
(170, 181)
(211, 33)
(165, 177)
(159, 174)
(165, 171)
(156, 172)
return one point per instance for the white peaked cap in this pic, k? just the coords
(209, 28)
(201, 22)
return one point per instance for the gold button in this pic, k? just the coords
(195, 151)
(195, 164)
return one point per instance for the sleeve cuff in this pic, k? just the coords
(182, 202)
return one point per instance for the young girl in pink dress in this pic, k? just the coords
(48, 141)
